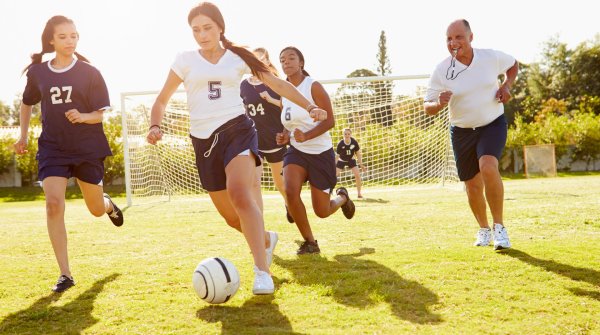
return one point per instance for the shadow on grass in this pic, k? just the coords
(258, 315)
(569, 271)
(361, 283)
(43, 318)
(31, 193)
(372, 200)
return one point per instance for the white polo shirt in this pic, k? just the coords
(213, 90)
(473, 103)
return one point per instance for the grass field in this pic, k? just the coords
(404, 265)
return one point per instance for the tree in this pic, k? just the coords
(114, 166)
(356, 97)
(5, 115)
(383, 110)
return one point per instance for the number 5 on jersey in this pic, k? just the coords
(214, 90)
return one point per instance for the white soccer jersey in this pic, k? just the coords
(296, 117)
(473, 102)
(213, 90)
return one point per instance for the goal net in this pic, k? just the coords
(400, 144)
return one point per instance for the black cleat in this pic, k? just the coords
(348, 208)
(288, 215)
(116, 216)
(308, 248)
(63, 284)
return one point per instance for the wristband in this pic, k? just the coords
(310, 107)
(154, 125)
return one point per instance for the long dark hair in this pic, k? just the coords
(271, 67)
(213, 12)
(300, 56)
(47, 36)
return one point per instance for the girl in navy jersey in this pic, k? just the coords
(310, 156)
(73, 98)
(345, 151)
(263, 106)
(224, 138)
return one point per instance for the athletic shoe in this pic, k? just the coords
(271, 248)
(263, 283)
(308, 247)
(63, 284)
(484, 237)
(288, 215)
(348, 208)
(501, 240)
(116, 216)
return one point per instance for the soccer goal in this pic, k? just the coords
(400, 144)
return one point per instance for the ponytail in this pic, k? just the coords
(212, 11)
(270, 65)
(81, 58)
(256, 65)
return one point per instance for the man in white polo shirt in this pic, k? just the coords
(467, 82)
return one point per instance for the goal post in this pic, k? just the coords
(400, 144)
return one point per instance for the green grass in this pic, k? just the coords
(405, 264)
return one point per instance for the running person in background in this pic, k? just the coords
(263, 106)
(224, 138)
(310, 156)
(73, 99)
(346, 149)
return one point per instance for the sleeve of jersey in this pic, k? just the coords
(273, 94)
(356, 146)
(338, 148)
(434, 87)
(98, 95)
(179, 66)
(505, 61)
(31, 94)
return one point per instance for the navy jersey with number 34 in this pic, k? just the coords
(266, 116)
(79, 86)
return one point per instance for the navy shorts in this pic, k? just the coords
(470, 144)
(87, 170)
(320, 168)
(273, 157)
(343, 164)
(224, 144)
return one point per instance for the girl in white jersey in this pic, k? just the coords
(224, 139)
(310, 156)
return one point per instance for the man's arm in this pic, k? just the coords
(434, 107)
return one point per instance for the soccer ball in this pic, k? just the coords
(216, 280)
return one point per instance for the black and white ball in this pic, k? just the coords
(216, 280)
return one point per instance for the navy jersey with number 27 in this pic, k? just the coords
(79, 86)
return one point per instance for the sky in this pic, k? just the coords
(133, 43)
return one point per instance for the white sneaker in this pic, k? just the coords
(263, 283)
(484, 237)
(274, 237)
(501, 240)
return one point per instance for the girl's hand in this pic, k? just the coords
(154, 135)
(318, 114)
(74, 116)
(282, 138)
(20, 146)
